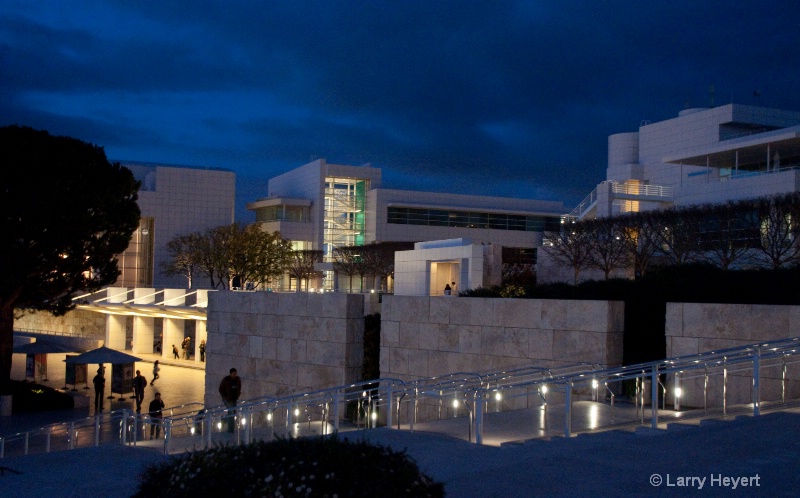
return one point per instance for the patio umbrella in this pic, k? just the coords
(42, 347)
(102, 355)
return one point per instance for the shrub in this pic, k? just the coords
(33, 397)
(290, 467)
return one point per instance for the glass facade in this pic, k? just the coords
(345, 202)
(136, 263)
(472, 219)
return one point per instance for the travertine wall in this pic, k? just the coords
(425, 336)
(693, 328)
(283, 343)
(77, 323)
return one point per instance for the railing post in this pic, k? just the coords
(389, 407)
(654, 397)
(247, 420)
(478, 417)
(678, 392)
(567, 409)
(336, 401)
(725, 386)
(97, 430)
(167, 434)
(783, 380)
(757, 382)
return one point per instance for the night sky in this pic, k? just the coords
(495, 98)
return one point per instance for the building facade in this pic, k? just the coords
(174, 200)
(731, 152)
(321, 206)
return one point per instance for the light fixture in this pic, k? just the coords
(244, 421)
(374, 415)
(269, 416)
(594, 384)
(498, 396)
(219, 425)
(544, 388)
(455, 403)
(678, 392)
(297, 412)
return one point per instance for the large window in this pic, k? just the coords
(345, 202)
(470, 219)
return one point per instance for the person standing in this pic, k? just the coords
(230, 389)
(139, 385)
(99, 389)
(156, 414)
(185, 346)
(203, 350)
(156, 369)
(175, 352)
(446, 289)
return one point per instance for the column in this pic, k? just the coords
(115, 324)
(143, 326)
(173, 329)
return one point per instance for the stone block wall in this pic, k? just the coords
(425, 336)
(693, 328)
(283, 343)
(76, 323)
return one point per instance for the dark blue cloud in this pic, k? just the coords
(494, 98)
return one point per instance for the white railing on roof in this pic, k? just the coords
(632, 188)
(584, 206)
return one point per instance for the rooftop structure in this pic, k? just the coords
(731, 152)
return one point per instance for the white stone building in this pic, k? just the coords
(323, 206)
(174, 200)
(731, 152)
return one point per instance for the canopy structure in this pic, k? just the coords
(102, 355)
(42, 347)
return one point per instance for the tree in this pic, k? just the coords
(607, 246)
(66, 212)
(346, 261)
(302, 265)
(229, 253)
(641, 235)
(678, 236)
(728, 233)
(571, 246)
(780, 229)
(185, 257)
(378, 257)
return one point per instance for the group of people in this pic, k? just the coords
(230, 389)
(139, 385)
(186, 347)
(450, 291)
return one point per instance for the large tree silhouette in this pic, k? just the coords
(65, 213)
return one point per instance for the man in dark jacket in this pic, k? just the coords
(139, 384)
(156, 415)
(230, 388)
(99, 389)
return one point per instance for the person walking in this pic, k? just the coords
(175, 352)
(156, 369)
(186, 342)
(99, 389)
(156, 414)
(230, 389)
(139, 385)
(203, 350)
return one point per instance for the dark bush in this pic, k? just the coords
(290, 467)
(33, 397)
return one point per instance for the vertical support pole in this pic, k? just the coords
(167, 434)
(783, 381)
(654, 397)
(479, 418)
(678, 391)
(567, 409)
(757, 382)
(705, 389)
(725, 386)
(97, 429)
(247, 419)
(336, 402)
(389, 407)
